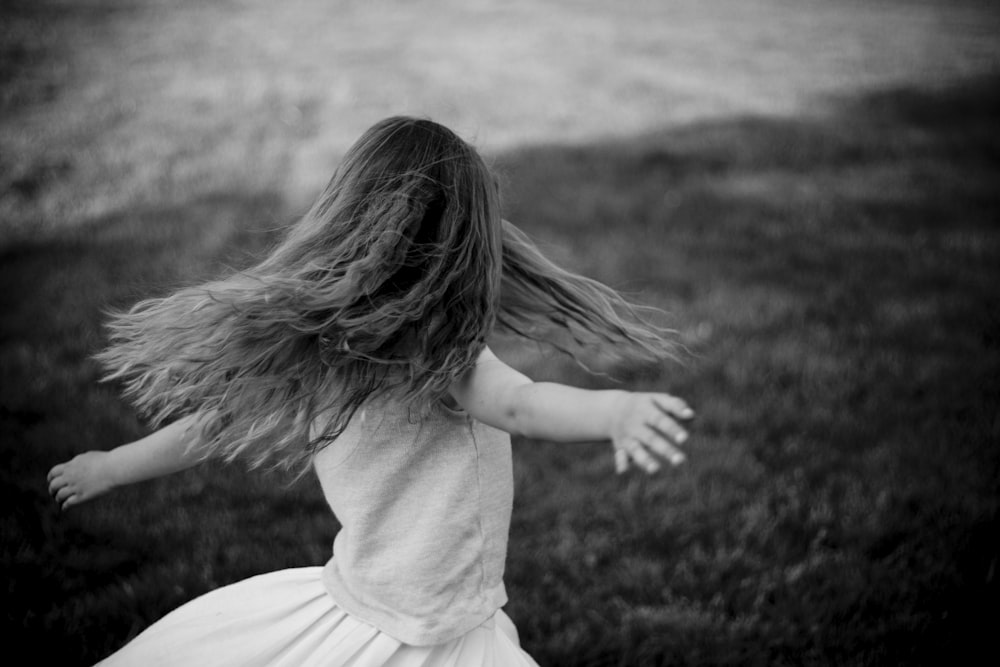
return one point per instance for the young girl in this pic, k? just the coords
(358, 348)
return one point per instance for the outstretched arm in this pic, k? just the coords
(92, 474)
(640, 426)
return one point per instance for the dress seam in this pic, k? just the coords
(479, 514)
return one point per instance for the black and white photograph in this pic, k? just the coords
(500, 333)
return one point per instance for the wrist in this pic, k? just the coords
(617, 402)
(114, 470)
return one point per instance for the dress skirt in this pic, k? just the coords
(287, 619)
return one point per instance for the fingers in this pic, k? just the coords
(621, 461)
(673, 406)
(654, 434)
(55, 483)
(61, 490)
(64, 493)
(654, 440)
(662, 420)
(56, 478)
(668, 427)
(638, 452)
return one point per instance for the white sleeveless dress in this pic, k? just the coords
(416, 577)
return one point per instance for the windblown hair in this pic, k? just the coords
(392, 281)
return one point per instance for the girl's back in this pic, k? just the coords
(424, 505)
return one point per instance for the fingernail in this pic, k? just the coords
(682, 438)
(654, 468)
(687, 412)
(677, 459)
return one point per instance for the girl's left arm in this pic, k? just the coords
(642, 427)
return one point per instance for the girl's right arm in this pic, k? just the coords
(92, 474)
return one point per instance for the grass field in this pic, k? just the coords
(810, 189)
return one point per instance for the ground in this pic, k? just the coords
(809, 190)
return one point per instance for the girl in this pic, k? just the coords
(358, 348)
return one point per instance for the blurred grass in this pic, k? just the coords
(836, 277)
(833, 273)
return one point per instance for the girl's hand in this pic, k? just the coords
(82, 478)
(645, 427)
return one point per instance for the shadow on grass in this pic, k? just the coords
(835, 278)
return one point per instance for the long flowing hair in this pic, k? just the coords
(392, 281)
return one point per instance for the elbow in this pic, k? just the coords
(519, 416)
